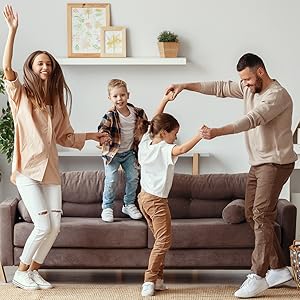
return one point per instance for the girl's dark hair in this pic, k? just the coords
(56, 88)
(249, 60)
(161, 122)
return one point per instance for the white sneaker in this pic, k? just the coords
(159, 285)
(278, 276)
(148, 289)
(40, 281)
(107, 215)
(132, 211)
(252, 286)
(23, 280)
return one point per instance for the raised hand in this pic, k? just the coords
(175, 89)
(11, 18)
(169, 96)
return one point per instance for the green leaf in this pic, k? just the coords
(167, 36)
(6, 130)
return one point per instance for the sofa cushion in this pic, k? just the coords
(193, 208)
(234, 212)
(210, 186)
(82, 194)
(24, 212)
(82, 186)
(211, 233)
(204, 196)
(92, 233)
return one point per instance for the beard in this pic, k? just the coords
(257, 87)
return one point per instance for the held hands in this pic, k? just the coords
(174, 89)
(11, 18)
(168, 97)
(102, 137)
(105, 140)
(208, 133)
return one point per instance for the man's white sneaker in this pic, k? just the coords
(159, 285)
(278, 276)
(252, 286)
(23, 280)
(40, 281)
(148, 289)
(107, 215)
(132, 211)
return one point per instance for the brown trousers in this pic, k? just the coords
(157, 214)
(264, 185)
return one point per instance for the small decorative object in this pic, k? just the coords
(84, 25)
(113, 41)
(168, 44)
(295, 261)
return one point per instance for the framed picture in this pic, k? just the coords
(113, 41)
(84, 26)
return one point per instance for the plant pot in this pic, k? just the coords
(168, 49)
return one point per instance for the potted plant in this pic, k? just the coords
(168, 44)
(6, 127)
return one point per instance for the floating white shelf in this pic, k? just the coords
(133, 61)
(195, 156)
(75, 153)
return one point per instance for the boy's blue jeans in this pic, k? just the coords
(129, 164)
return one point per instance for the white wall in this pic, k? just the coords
(213, 35)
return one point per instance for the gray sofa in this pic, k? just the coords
(201, 237)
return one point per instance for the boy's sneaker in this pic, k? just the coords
(252, 286)
(148, 289)
(278, 276)
(132, 211)
(159, 285)
(40, 281)
(23, 280)
(107, 215)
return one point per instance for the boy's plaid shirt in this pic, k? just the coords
(111, 124)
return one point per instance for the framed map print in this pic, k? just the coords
(84, 26)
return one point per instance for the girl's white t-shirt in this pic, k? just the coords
(127, 130)
(157, 166)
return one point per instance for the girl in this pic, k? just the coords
(157, 156)
(40, 120)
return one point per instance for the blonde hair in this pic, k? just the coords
(116, 83)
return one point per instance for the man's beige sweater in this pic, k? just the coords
(267, 121)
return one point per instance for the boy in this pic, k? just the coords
(125, 125)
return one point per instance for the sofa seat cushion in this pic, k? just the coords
(210, 233)
(92, 233)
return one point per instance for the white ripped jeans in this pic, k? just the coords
(44, 204)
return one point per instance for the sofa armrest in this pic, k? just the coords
(8, 215)
(286, 218)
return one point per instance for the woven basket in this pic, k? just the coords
(295, 261)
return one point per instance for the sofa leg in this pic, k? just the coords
(2, 274)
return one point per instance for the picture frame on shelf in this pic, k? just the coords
(84, 27)
(113, 41)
